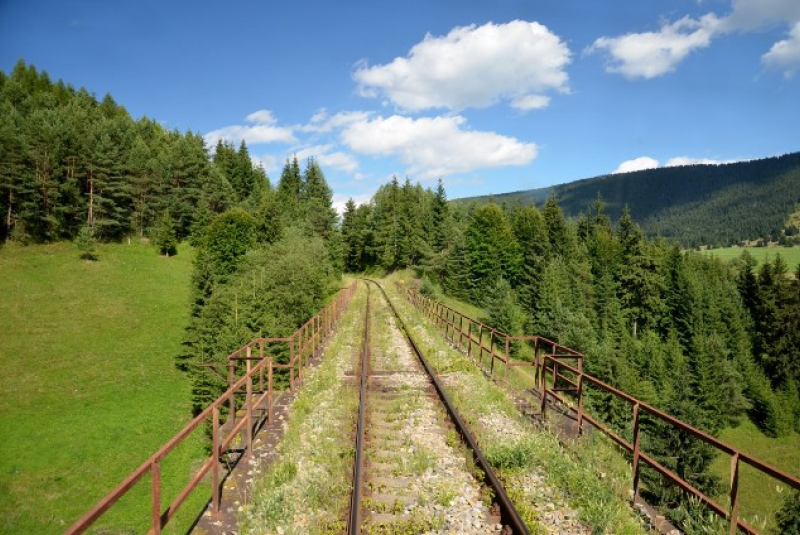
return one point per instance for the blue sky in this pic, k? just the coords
(490, 96)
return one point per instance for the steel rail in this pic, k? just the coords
(508, 513)
(354, 525)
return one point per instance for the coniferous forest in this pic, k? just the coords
(708, 342)
(695, 205)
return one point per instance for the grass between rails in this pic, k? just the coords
(306, 491)
(89, 385)
(592, 476)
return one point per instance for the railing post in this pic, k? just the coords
(291, 364)
(636, 453)
(480, 342)
(544, 394)
(260, 361)
(580, 403)
(249, 404)
(232, 398)
(491, 353)
(300, 349)
(215, 460)
(155, 473)
(269, 390)
(469, 338)
(508, 354)
(461, 332)
(734, 494)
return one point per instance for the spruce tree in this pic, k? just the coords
(165, 239)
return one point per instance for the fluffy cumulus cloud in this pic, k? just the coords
(328, 157)
(322, 122)
(262, 128)
(651, 54)
(474, 66)
(637, 164)
(436, 146)
(785, 55)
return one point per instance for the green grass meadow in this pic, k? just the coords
(791, 255)
(89, 389)
(760, 496)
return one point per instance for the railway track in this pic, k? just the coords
(417, 469)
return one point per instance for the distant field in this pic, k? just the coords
(89, 389)
(759, 495)
(790, 254)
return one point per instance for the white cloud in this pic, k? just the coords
(261, 117)
(646, 162)
(752, 15)
(472, 66)
(325, 158)
(263, 130)
(531, 102)
(339, 200)
(321, 122)
(435, 146)
(785, 54)
(269, 162)
(637, 164)
(651, 54)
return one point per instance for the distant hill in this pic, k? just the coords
(693, 204)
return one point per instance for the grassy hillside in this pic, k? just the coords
(89, 386)
(694, 204)
(761, 496)
(791, 255)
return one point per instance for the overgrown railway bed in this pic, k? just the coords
(417, 468)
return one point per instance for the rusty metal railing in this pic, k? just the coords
(304, 344)
(552, 363)
(479, 340)
(557, 370)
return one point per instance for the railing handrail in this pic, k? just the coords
(699, 433)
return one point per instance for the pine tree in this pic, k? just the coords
(440, 220)
(350, 238)
(165, 239)
(86, 243)
(561, 241)
(492, 250)
(316, 200)
(289, 187)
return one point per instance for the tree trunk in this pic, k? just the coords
(90, 216)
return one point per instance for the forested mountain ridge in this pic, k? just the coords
(693, 204)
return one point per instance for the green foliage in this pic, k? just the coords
(164, 238)
(229, 236)
(69, 159)
(491, 250)
(788, 518)
(86, 243)
(272, 291)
